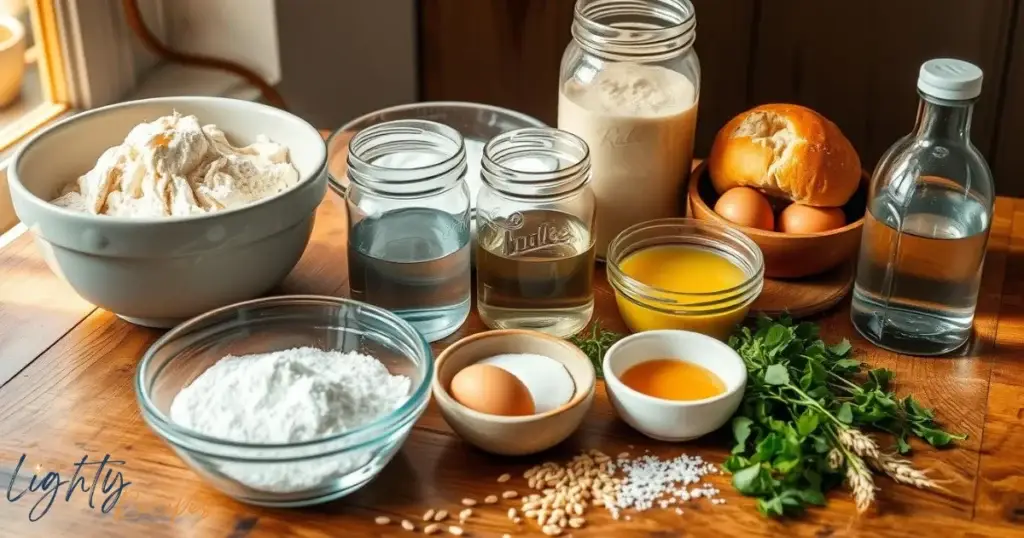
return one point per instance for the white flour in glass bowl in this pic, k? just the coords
(289, 396)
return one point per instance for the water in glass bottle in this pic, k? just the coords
(927, 223)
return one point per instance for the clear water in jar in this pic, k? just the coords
(535, 271)
(414, 262)
(916, 292)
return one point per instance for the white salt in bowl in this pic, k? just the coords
(294, 474)
(671, 420)
(158, 272)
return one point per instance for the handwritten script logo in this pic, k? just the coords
(48, 487)
(618, 137)
(131, 509)
(519, 240)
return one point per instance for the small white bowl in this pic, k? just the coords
(670, 420)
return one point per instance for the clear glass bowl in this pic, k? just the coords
(265, 474)
(714, 313)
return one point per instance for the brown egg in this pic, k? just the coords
(746, 207)
(804, 219)
(492, 390)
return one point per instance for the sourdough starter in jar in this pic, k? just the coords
(639, 121)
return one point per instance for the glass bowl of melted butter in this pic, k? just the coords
(684, 274)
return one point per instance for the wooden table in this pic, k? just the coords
(66, 371)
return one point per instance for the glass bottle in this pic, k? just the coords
(535, 221)
(629, 87)
(408, 204)
(927, 224)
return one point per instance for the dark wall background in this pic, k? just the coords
(855, 62)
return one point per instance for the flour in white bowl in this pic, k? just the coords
(289, 396)
(174, 166)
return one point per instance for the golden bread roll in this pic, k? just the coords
(786, 151)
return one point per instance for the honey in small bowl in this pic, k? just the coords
(671, 379)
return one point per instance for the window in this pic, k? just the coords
(33, 89)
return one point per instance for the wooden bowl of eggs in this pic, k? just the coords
(513, 392)
(787, 178)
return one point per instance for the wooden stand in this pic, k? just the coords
(805, 296)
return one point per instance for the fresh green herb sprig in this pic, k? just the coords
(595, 343)
(798, 432)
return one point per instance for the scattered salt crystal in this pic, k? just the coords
(648, 479)
(679, 511)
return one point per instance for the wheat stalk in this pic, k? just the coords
(861, 483)
(903, 472)
(835, 459)
(860, 443)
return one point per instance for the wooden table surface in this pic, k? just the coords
(66, 371)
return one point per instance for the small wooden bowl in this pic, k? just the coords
(513, 436)
(789, 255)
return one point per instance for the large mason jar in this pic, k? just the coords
(408, 204)
(535, 246)
(629, 86)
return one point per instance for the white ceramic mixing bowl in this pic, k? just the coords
(159, 271)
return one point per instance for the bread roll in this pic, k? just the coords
(787, 151)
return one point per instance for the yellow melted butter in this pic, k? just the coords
(683, 269)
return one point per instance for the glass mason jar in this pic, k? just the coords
(535, 243)
(408, 205)
(629, 86)
(927, 225)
